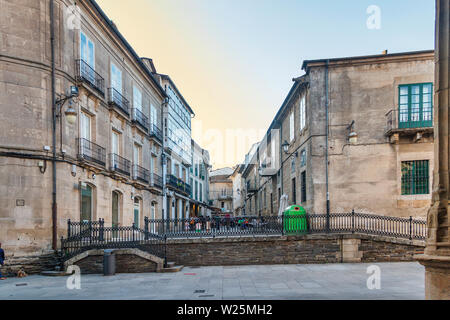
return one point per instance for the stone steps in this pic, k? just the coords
(171, 267)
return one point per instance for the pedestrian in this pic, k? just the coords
(2, 261)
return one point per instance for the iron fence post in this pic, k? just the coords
(353, 221)
(102, 229)
(410, 227)
(133, 227)
(282, 224)
(68, 228)
(146, 227)
(165, 251)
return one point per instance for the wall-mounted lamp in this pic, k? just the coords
(352, 136)
(286, 146)
(73, 172)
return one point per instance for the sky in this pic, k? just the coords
(234, 60)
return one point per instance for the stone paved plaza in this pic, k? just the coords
(279, 282)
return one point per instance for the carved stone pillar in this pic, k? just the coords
(437, 252)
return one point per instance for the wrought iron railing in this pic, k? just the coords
(115, 98)
(83, 236)
(141, 174)
(85, 73)
(157, 181)
(178, 184)
(140, 118)
(87, 150)
(405, 119)
(406, 228)
(119, 164)
(155, 132)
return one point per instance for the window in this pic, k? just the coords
(192, 190)
(116, 78)
(85, 124)
(201, 192)
(293, 165)
(196, 190)
(137, 98)
(271, 203)
(416, 105)
(115, 140)
(303, 177)
(294, 194)
(303, 158)
(291, 126)
(153, 115)
(87, 50)
(137, 151)
(302, 112)
(86, 203)
(415, 177)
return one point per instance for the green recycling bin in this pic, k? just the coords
(295, 221)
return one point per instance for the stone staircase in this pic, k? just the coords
(171, 267)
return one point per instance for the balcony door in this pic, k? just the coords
(137, 211)
(114, 147)
(87, 50)
(416, 105)
(116, 78)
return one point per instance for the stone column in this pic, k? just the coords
(437, 252)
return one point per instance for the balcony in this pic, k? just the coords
(140, 118)
(408, 123)
(225, 195)
(115, 98)
(141, 174)
(119, 164)
(157, 181)
(91, 152)
(178, 184)
(156, 132)
(251, 188)
(85, 73)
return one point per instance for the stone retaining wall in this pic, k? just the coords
(291, 250)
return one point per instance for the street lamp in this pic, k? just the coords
(285, 146)
(70, 113)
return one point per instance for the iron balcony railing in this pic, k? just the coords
(155, 132)
(140, 118)
(89, 151)
(119, 164)
(157, 181)
(352, 222)
(251, 187)
(87, 74)
(87, 235)
(115, 98)
(141, 174)
(406, 119)
(178, 184)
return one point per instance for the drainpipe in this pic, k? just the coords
(54, 204)
(326, 144)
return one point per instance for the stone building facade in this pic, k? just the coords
(221, 191)
(199, 181)
(108, 163)
(359, 128)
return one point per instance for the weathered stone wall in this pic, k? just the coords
(31, 264)
(290, 250)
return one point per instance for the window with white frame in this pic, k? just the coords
(87, 50)
(291, 126)
(302, 112)
(116, 78)
(137, 98)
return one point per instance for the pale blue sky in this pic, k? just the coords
(234, 60)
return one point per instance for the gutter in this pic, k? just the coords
(54, 202)
(326, 142)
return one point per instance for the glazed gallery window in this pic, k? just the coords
(302, 112)
(415, 177)
(291, 127)
(303, 158)
(416, 105)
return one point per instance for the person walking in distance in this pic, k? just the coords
(2, 261)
